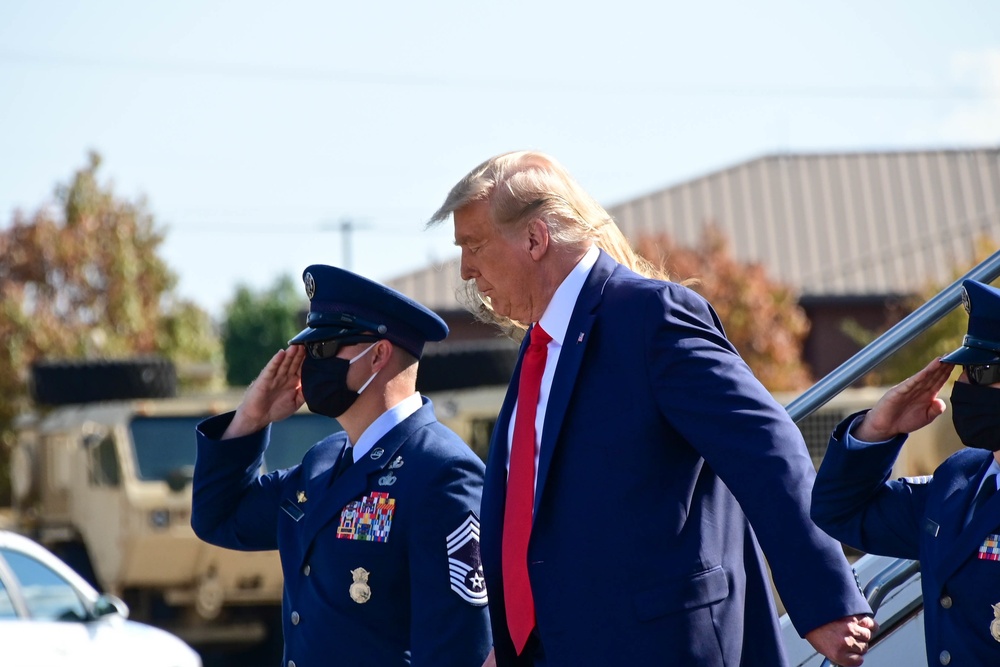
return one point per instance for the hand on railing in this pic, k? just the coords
(890, 578)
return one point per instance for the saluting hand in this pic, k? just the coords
(273, 396)
(910, 405)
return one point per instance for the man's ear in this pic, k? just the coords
(381, 354)
(537, 240)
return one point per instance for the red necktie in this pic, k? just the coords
(521, 493)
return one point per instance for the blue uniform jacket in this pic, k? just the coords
(855, 501)
(381, 566)
(658, 444)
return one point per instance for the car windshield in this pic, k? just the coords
(165, 445)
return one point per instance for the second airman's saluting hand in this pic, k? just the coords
(910, 405)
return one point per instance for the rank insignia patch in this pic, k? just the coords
(990, 549)
(464, 563)
(368, 519)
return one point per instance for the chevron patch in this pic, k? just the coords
(465, 566)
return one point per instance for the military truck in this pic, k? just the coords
(101, 475)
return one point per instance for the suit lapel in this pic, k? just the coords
(570, 360)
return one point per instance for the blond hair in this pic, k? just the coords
(524, 185)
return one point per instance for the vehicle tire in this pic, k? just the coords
(87, 381)
(76, 556)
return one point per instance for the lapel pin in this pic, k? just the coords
(301, 497)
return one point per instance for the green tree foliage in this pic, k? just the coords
(761, 316)
(938, 340)
(257, 325)
(81, 278)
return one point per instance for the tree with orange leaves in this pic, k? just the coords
(761, 317)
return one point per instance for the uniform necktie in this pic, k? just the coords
(986, 492)
(520, 604)
(345, 462)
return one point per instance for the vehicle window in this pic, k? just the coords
(6, 604)
(291, 438)
(104, 469)
(48, 596)
(163, 445)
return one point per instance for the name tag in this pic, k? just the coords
(292, 510)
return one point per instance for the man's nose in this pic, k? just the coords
(468, 271)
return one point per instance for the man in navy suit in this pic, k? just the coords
(378, 528)
(617, 510)
(948, 521)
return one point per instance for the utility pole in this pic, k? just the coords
(347, 226)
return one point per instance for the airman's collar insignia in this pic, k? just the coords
(377, 453)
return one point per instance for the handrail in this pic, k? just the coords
(888, 343)
(889, 579)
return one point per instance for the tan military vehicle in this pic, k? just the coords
(106, 485)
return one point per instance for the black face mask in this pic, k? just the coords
(975, 411)
(324, 384)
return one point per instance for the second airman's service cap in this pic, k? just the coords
(343, 305)
(981, 345)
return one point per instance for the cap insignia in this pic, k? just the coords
(310, 285)
(966, 302)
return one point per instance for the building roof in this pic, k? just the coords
(827, 224)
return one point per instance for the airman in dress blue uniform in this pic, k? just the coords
(946, 520)
(378, 527)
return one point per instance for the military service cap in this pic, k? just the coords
(344, 305)
(981, 345)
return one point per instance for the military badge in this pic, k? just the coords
(377, 453)
(995, 625)
(301, 497)
(990, 548)
(360, 591)
(368, 519)
(310, 283)
(465, 567)
(387, 479)
(397, 463)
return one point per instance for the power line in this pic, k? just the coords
(325, 75)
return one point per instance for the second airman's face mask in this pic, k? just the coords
(975, 411)
(324, 384)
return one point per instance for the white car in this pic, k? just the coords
(51, 617)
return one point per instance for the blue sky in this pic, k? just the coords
(254, 129)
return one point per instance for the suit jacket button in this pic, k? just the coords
(306, 570)
(291, 663)
(945, 657)
(946, 601)
(295, 618)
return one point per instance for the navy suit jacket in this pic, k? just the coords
(427, 603)
(922, 518)
(658, 444)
